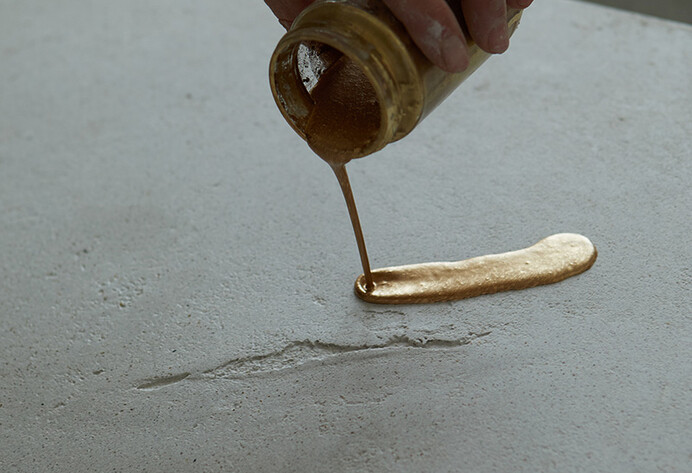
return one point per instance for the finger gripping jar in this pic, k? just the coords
(393, 88)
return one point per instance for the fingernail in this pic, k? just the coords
(524, 3)
(498, 40)
(454, 54)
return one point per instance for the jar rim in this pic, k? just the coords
(289, 45)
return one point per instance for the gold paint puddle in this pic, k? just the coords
(551, 260)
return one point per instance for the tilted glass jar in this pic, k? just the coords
(407, 85)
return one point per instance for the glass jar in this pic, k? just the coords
(407, 86)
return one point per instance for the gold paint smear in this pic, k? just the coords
(551, 260)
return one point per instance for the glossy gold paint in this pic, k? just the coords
(349, 80)
(551, 260)
(342, 177)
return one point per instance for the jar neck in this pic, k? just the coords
(323, 33)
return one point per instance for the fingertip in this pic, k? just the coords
(519, 3)
(454, 54)
(498, 39)
(435, 30)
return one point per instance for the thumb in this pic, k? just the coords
(287, 10)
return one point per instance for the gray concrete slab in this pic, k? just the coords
(678, 10)
(176, 267)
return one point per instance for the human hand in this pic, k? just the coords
(434, 27)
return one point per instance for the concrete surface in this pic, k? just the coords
(678, 10)
(176, 267)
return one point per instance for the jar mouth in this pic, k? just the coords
(330, 95)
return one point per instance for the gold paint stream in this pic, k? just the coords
(551, 260)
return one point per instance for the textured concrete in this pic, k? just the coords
(176, 267)
(678, 10)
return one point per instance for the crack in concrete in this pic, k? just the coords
(302, 352)
(385, 312)
(156, 383)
